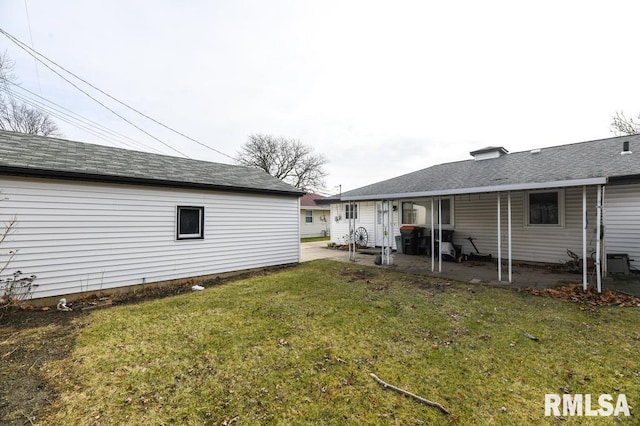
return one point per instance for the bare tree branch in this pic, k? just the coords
(18, 116)
(621, 125)
(287, 159)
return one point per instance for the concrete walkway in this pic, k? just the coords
(523, 275)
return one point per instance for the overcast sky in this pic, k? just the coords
(380, 88)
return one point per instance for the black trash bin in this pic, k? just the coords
(411, 236)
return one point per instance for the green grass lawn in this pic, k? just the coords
(298, 346)
(314, 239)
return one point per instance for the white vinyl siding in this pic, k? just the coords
(622, 221)
(321, 222)
(86, 236)
(476, 217)
(340, 227)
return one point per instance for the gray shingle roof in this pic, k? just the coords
(564, 163)
(51, 157)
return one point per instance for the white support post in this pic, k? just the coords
(598, 260)
(348, 217)
(380, 217)
(433, 240)
(499, 243)
(352, 231)
(387, 233)
(509, 236)
(439, 234)
(584, 238)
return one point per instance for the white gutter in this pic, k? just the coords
(480, 189)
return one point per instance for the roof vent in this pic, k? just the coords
(625, 148)
(536, 151)
(488, 152)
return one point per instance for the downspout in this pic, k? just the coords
(603, 255)
(509, 232)
(599, 216)
(584, 238)
(499, 243)
(299, 234)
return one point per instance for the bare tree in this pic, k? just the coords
(18, 116)
(286, 159)
(622, 125)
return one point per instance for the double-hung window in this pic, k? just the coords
(190, 223)
(308, 216)
(350, 211)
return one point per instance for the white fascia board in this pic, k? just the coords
(500, 188)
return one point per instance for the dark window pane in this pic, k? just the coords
(446, 211)
(189, 221)
(543, 208)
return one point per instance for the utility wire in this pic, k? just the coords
(70, 120)
(116, 136)
(16, 41)
(27, 49)
(26, 8)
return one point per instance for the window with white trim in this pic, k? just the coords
(418, 212)
(308, 216)
(545, 208)
(350, 211)
(190, 223)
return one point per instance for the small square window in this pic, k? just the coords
(190, 223)
(308, 216)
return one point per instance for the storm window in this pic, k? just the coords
(190, 223)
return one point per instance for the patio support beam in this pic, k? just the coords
(598, 254)
(509, 236)
(352, 231)
(433, 241)
(439, 234)
(499, 242)
(585, 223)
(380, 217)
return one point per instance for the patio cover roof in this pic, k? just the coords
(585, 163)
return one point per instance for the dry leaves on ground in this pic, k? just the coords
(575, 293)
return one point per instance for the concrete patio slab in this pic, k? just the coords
(523, 275)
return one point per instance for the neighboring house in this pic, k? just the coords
(92, 218)
(314, 217)
(530, 205)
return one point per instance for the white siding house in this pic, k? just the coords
(106, 229)
(314, 217)
(529, 206)
(622, 221)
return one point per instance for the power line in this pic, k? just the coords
(16, 41)
(112, 134)
(26, 49)
(26, 8)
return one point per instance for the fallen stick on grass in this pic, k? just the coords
(406, 393)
